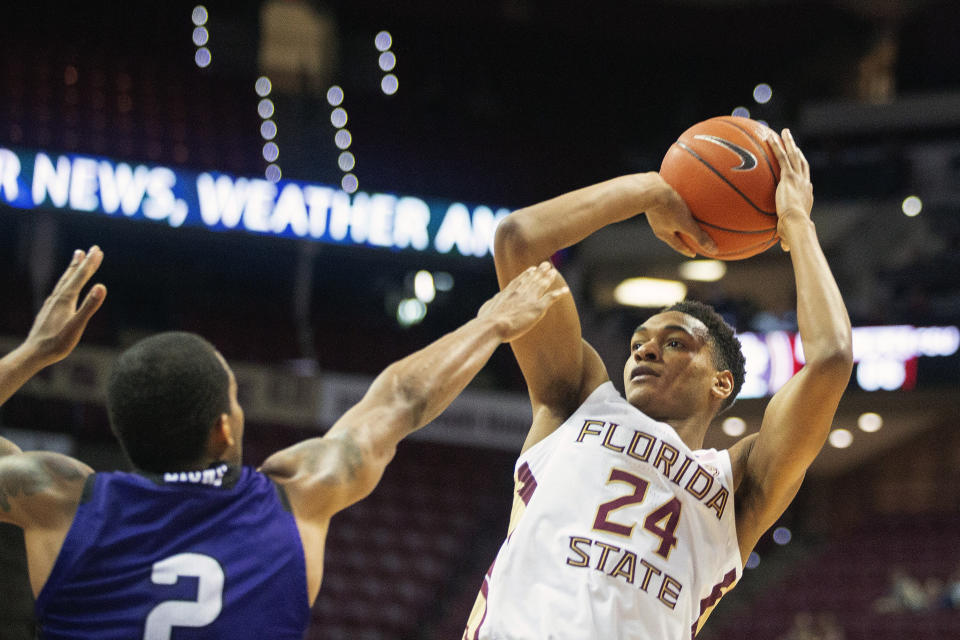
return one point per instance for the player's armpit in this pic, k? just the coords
(550, 413)
(739, 454)
(795, 427)
(39, 489)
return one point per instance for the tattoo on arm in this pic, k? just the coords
(22, 483)
(33, 475)
(63, 469)
(352, 457)
(347, 454)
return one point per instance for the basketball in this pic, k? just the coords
(725, 170)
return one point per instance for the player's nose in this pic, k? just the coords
(646, 351)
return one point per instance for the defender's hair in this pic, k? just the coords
(163, 397)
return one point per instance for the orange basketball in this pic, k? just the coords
(726, 172)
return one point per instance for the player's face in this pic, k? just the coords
(670, 371)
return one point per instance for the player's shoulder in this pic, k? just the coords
(37, 470)
(37, 485)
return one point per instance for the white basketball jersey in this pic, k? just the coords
(618, 531)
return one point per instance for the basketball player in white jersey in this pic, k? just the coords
(623, 527)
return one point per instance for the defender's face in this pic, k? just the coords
(670, 370)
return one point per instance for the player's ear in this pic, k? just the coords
(221, 435)
(722, 385)
(226, 427)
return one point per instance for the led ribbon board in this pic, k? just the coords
(886, 356)
(220, 202)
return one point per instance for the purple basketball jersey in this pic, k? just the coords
(178, 556)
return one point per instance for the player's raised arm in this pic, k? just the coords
(798, 419)
(324, 475)
(34, 485)
(559, 368)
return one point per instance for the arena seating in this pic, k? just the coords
(149, 108)
(396, 559)
(847, 576)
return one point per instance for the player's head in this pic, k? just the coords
(172, 402)
(683, 359)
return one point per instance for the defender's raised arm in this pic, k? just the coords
(39, 490)
(324, 475)
(58, 326)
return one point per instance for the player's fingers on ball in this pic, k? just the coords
(789, 151)
(796, 155)
(694, 249)
(777, 147)
(678, 202)
(701, 238)
(677, 243)
(793, 141)
(774, 139)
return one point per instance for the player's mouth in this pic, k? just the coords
(643, 372)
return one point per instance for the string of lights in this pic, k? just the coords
(201, 36)
(387, 61)
(343, 139)
(268, 128)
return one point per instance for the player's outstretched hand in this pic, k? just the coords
(673, 223)
(795, 191)
(60, 324)
(524, 301)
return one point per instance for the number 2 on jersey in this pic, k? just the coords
(661, 522)
(185, 613)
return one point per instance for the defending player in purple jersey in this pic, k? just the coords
(194, 545)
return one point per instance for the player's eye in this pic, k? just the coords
(675, 344)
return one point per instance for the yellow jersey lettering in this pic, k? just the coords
(589, 428)
(719, 501)
(606, 440)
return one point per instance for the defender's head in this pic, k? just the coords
(683, 360)
(172, 402)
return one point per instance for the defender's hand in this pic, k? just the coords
(795, 191)
(672, 221)
(524, 301)
(60, 324)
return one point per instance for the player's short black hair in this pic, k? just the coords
(728, 352)
(163, 397)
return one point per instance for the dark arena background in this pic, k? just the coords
(313, 186)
